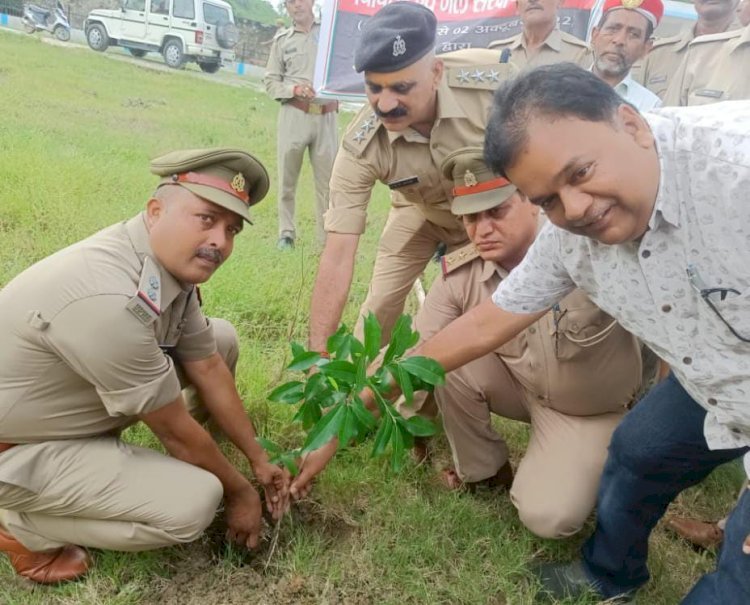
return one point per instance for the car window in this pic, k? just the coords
(185, 9)
(160, 7)
(215, 15)
(135, 5)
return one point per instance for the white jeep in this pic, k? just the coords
(181, 30)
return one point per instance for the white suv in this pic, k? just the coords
(181, 30)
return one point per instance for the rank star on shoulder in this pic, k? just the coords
(478, 75)
(359, 136)
(464, 76)
(493, 76)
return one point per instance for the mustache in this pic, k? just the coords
(210, 254)
(396, 112)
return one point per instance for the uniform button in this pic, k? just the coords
(532, 330)
(687, 360)
(666, 308)
(540, 397)
(434, 145)
(646, 253)
(736, 431)
(712, 401)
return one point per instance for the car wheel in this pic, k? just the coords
(62, 33)
(227, 35)
(173, 55)
(210, 68)
(137, 52)
(97, 37)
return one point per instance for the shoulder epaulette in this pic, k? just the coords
(720, 37)
(281, 32)
(361, 131)
(668, 41)
(458, 258)
(570, 38)
(482, 77)
(146, 304)
(503, 42)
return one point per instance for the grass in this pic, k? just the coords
(76, 133)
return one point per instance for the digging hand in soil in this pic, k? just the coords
(244, 516)
(311, 466)
(275, 482)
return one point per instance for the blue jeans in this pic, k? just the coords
(657, 451)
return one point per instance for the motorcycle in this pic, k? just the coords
(36, 18)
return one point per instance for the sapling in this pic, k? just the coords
(329, 392)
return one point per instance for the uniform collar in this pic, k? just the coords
(171, 287)
(744, 38)
(447, 107)
(299, 31)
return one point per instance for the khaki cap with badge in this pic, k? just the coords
(475, 187)
(230, 178)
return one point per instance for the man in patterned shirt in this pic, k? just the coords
(649, 216)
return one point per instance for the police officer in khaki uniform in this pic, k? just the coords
(541, 42)
(715, 68)
(304, 121)
(105, 333)
(660, 65)
(572, 375)
(421, 108)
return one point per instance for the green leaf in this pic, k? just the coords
(426, 369)
(364, 416)
(297, 349)
(290, 463)
(340, 371)
(382, 437)
(339, 344)
(289, 392)
(419, 426)
(268, 445)
(349, 427)
(372, 336)
(404, 381)
(326, 428)
(308, 413)
(304, 361)
(401, 336)
(397, 450)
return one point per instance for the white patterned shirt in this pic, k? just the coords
(701, 218)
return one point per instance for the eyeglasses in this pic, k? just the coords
(705, 293)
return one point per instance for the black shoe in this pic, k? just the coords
(285, 243)
(564, 580)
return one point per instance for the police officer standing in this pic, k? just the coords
(660, 65)
(715, 68)
(305, 122)
(541, 42)
(108, 332)
(420, 109)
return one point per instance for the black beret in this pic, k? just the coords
(396, 36)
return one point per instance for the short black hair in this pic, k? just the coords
(649, 25)
(555, 91)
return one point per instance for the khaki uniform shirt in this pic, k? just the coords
(576, 359)
(656, 70)
(559, 47)
(291, 61)
(408, 162)
(80, 352)
(715, 68)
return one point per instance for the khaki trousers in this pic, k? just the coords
(407, 244)
(101, 492)
(557, 480)
(298, 131)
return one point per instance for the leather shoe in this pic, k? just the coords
(565, 580)
(47, 567)
(701, 534)
(502, 479)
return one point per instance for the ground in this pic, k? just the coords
(76, 133)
